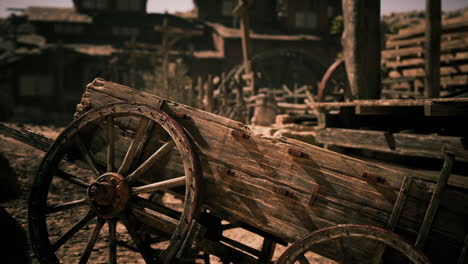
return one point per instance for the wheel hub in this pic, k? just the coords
(109, 195)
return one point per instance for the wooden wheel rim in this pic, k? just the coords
(42, 182)
(303, 245)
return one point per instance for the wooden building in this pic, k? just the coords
(118, 40)
(298, 25)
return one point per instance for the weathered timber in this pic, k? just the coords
(416, 145)
(449, 26)
(448, 47)
(432, 48)
(455, 180)
(28, 137)
(263, 183)
(398, 44)
(361, 47)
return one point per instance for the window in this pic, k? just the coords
(227, 7)
(35, 85)
(95, 4)
(125, 31)
(306, 19)
(70, 29)
(129, 5)
(330, 12)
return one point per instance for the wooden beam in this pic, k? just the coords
(434, 108)
(414, 145)
(27, 137)
(361, 47)
(432, 49)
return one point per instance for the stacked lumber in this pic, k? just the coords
(404, 59)
(414, 128)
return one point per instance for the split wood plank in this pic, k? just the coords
(415, 145)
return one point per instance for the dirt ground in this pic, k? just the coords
(25, 162)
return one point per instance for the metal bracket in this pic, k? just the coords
(192, 242)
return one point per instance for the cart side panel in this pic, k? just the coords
(289, 188)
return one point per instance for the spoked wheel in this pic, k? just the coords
(334, 86)
(90, 202)
(347, 244)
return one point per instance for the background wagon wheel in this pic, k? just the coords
(290, 75)
(336, 237)
(334, 86)
(90, 199)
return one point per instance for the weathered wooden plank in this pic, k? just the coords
(27, 137)
(416, 145)
(412, 52)
(434, 108)
(389, 110)
(458, 24)
(455, 180)
(396, 44)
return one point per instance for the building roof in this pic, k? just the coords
(54, 14)
(227, 32)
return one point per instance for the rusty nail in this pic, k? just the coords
(298, 153)
(181, 115)
(373, 177)
(226, 171)
(241, 134)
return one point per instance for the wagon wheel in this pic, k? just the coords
(288, 74)
(336, 237)
(90, 199)
(334, 86)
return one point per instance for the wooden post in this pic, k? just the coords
(200, 91)
(361, 47)
(242, 11)
(224, 92)
(165, 54)
(432, 49)
(245, 27)
(209, 94)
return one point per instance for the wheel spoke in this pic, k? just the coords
(110, 144)
(164, 149)
(132, 149)
(157, 186)
(73, 179)
(72, 231)
(86, 154)
(112, 241)
(64, 206)
(139, 202)
(160, 223)
(302, 259)
(144, 249)
(340, 250)
(92, 240)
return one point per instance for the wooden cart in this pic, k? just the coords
(127, 151)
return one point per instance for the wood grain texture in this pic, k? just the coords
(256, 180)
